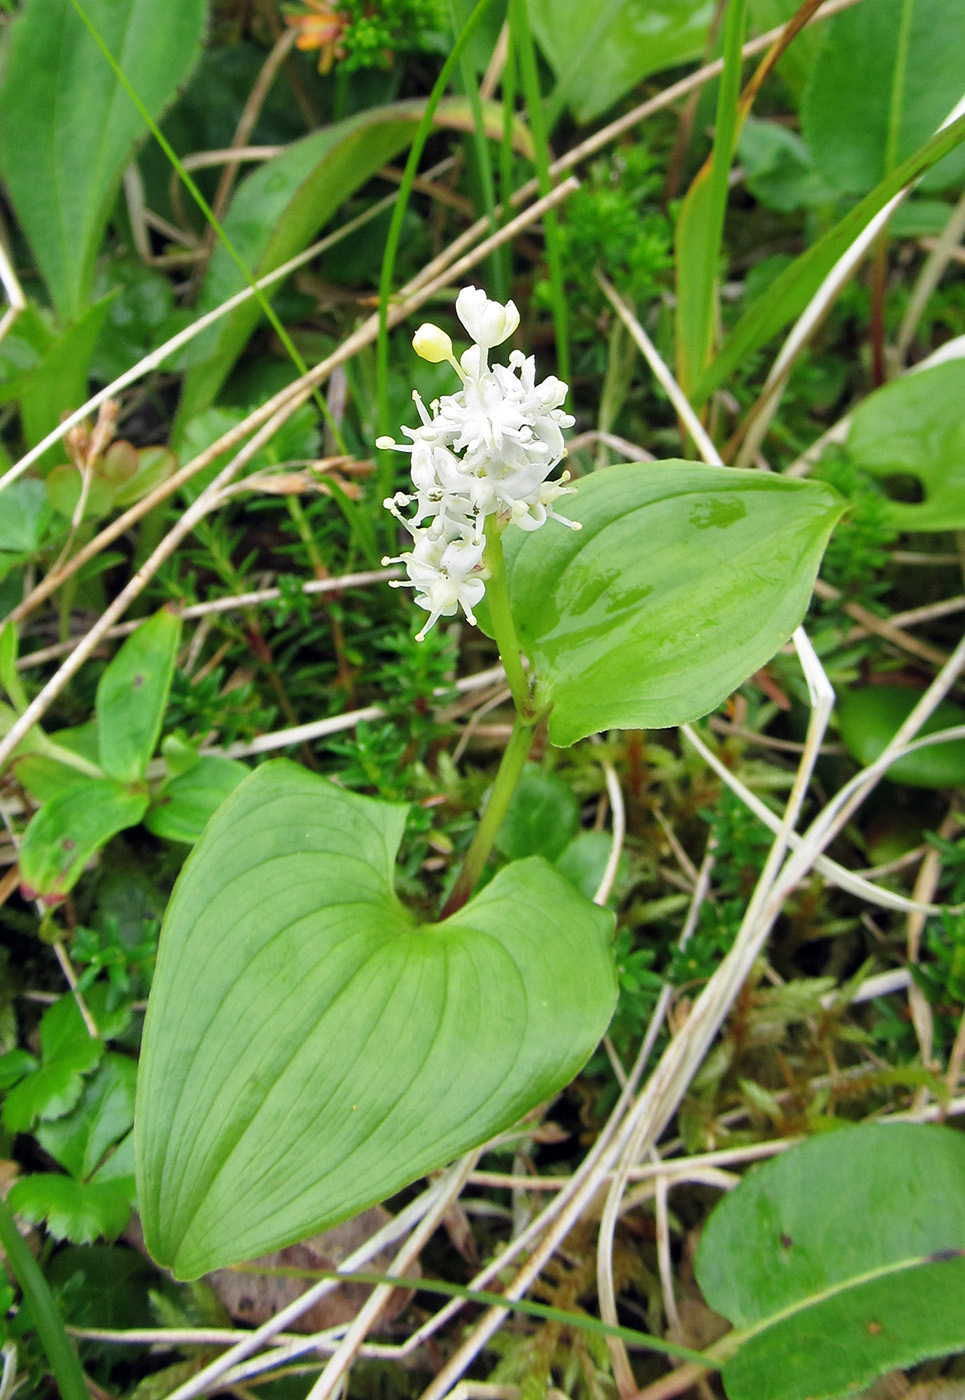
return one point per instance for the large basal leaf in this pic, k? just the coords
(282, 206)
(886, 77)
(67, 126)
(132, 694)
(839, 1260)
(914, 428)
(683, 581)
(310, 1047)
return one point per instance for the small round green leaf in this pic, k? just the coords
(186, 803)
(310, 1048)
(542, 816)
(870, 716)
(839, 1260)
(683, 581)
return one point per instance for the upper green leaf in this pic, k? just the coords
(132, 694)
(683, 581)
(310, 1048)
(841, 1259)
(67, 126)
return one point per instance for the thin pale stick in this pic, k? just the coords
(929, 277)
(662, 374)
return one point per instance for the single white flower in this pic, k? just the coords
(488, 322)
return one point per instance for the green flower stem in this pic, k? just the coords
(504, 785)
(501, 615)
(43, 1310)
(524, 728)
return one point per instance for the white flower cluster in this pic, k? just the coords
(486, 450)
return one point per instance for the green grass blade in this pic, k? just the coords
(395, 228)
(790, 293)
(700, 225)
(209, 216)
(50, 1329)
(581, 1321)
(522, 39)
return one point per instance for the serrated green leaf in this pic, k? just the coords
(70, 829)
(840, 1260)
(105, 1112)
(183, 806)
(79, 1211)
(67, 126)
(132, 695)
(683, 581)
(14, 1065)
(914, 428)
(310, 1048)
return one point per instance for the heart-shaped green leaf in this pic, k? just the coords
(914, 428)
(841, 1259)
(310, 1047)
(683, 581)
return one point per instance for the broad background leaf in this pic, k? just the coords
(309, 1048)
(845, 1258)
(67, 126)
(683, 581)
(873, 99)
(870, 716)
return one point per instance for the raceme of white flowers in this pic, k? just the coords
(486, 450)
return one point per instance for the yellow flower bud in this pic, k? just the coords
(432, 344)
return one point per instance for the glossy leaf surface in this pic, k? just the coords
(683, 581)
(310, 1048)
(914, 428)
(839, 1260)
(132, 694)
(67, 126)
(69, 829)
